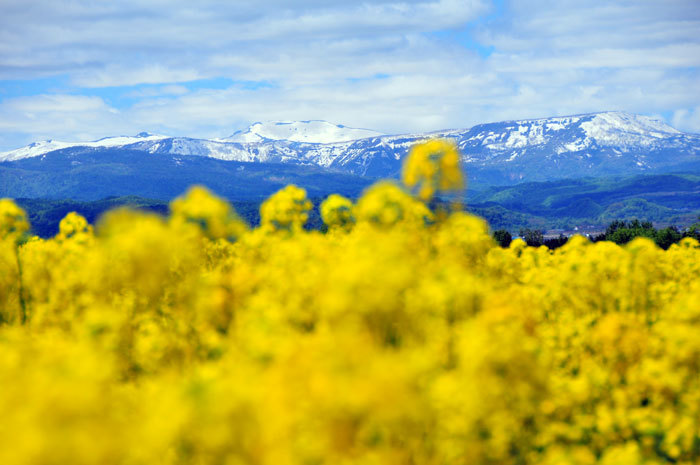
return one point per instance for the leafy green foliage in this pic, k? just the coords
(503, 237)
(622, 232)
(533, 237)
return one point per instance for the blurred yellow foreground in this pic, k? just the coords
(400, 336)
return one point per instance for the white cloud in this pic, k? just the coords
(158, 91)
(687, 119)
(374, 64)
(114, 76)
(68, 117)
(134, 42)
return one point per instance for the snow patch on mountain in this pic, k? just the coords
(571, 133)
(36, 149)
(315, 132)
(624, 129)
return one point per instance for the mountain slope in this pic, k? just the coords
(673, 198)
(590, 203)
(86, 173)
(37, 149)
(597, 144)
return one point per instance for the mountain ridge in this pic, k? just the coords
(500, 153)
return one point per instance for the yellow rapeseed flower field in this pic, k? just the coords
(399, 336)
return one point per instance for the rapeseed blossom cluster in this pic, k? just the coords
(396, 337)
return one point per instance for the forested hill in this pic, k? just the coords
(662, 199)
(671, 199)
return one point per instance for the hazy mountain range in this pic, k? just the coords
(553, 171)
(509, 152)
(562, 170)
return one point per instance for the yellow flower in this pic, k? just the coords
(337, 212)
(432, 167)
(13, 220)
(214, 216)
(286, 210)
(386, 204)
(74, 226)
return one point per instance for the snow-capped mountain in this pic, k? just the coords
(571, 133)
(594, 144)
(314, 132)
(36, 149)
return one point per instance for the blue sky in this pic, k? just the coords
(82, 70)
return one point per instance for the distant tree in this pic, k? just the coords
(614, 226)
(598, 237)
(693, 231)
(533, 237)
(667, 236)
(622, 232)
(503, 237)
(556, 242)
(621, 236)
